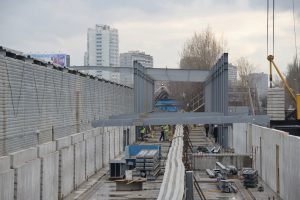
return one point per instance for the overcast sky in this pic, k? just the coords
(158, 27)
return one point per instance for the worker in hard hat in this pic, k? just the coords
(143, 131)
(166, 131)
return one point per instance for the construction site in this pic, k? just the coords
(66, 134)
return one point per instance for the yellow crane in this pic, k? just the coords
(295, 97)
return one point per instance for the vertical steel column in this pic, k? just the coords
(216, 94)
(189, 185)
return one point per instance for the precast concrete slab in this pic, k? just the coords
(106, 148)
(111, 143)
(63, 142)
(28, 180)
(4, 163)
(66, 171)
(76, 138)
(46, 148)
(116, 142)
(7, 184)
(88, 134)
(20, 157)
(79, 163)
(99, 151)
(90, 156)
(49, 176)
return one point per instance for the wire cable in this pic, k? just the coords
(273, 25)
(295, 35)
(267, 27)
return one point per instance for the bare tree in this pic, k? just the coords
(199, 52)
(293, 79)
(244, 68)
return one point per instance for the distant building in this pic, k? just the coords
(232, 74)
(127, 59)
(59, 59)
(260, 82)
(102, 50)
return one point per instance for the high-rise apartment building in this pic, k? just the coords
(102, 46)
(102, 50)
(127, 59)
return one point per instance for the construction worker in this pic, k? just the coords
(143, 131)
(162, 133)
(166, 131)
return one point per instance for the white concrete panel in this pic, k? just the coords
(46, 148)
(63, 142)
(76, 138)
(88, 134)
(20, 157)
(116, 142)
(49, 176)
(106, 148)
(79, 155)
(99, 151)
(111, 143)
(28, 180)
(4, 163)
(66, 171)
(240, 137)
(121, 139)
(7, 185)
(90, 156)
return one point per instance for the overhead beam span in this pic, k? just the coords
(157, 74)
(177, 118)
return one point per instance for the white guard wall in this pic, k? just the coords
(275, 156)
(54, 169)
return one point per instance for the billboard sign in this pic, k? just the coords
(62, 60)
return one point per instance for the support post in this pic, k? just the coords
(189, 185)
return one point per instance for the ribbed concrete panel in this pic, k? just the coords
(46, 148)
(4, 163)
(20, 157)
(49, 176)
(66, 171)
(99, 151)
(106, 147)
(79, 163)
(42, 103)
(90, 156)
(7, 185)
(28, 180)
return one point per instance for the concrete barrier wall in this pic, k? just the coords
(6, 179)
(53, 170)
(275, 156)
(208, 161)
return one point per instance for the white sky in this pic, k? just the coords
(158, 27)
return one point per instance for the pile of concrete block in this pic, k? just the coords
(147, 163)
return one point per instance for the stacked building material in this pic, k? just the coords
(250, 177)
(147, 163)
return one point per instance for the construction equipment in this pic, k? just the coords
(295, 97)
(270, 58)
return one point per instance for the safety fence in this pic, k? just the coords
(40, 102)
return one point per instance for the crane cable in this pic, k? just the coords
(295, 35)
(273, 26)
